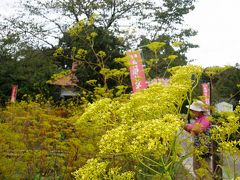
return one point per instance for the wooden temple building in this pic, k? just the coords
(68, 82)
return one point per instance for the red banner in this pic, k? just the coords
(206, 93)
(14, 93)
(137, 75)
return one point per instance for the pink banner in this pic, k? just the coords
(137, 75)
(206, 93)
(14, 93)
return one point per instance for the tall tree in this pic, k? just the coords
(27, 67)
(94, 50)
(226, 86)
(44, 21)
(8, 66)
(169, 53)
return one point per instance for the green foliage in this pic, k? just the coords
(161, 55)
(95, 57)
(28, 68)
(226, 87)
(224, 83)
(58, 52)
(10, 141)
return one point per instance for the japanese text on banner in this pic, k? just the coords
(137, 75)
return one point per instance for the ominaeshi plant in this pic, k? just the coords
(144, 144)
(38, 143)
(226, 134)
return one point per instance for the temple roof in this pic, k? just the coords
(66, 80)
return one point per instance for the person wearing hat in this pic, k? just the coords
(200, 129)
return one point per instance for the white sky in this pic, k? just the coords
(218, 26)
(6, 6)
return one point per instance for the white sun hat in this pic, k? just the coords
(198, 106)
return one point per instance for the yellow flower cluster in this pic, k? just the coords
(101, 114)
(155, 46)
(226, 134)
(229, 124)
(98, 170)
(92, 170)
(77, 28)
(186, 75)
(230, 147)
(145, 126)
(144, 137)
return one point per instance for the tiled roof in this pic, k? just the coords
(67, 80)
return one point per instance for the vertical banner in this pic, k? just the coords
(14, 93)
(137, 75)
(206, 93)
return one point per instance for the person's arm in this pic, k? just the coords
(200, 126)
(193, 128)
(197, 128)
(188, 127)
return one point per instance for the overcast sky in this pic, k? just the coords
(218, 26)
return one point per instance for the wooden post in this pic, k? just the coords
(216, 157)
(217, 160)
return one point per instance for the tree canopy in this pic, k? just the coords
(39, 22)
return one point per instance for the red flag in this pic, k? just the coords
(137, 75)
(14, 93)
